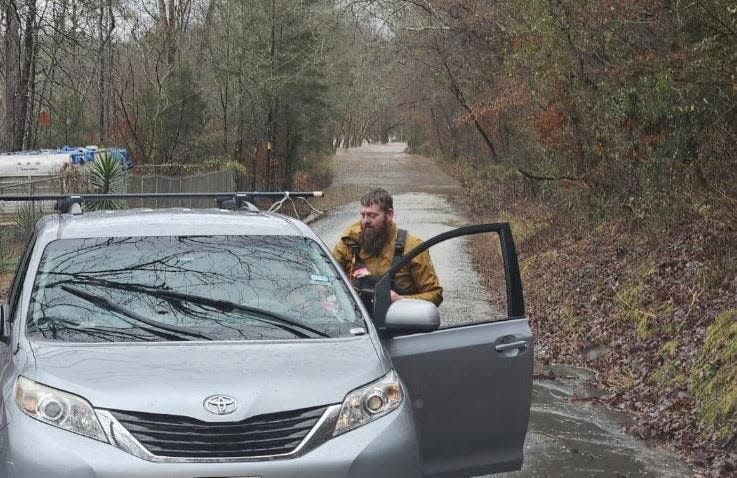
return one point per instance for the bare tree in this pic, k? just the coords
(12, 95)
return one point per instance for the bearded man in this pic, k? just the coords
(369, 247)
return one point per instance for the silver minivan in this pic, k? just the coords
(221, 344)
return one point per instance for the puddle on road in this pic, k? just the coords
(575, 439)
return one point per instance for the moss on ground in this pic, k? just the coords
(629, 299)
(571, 321)
(714, 377)
(633, 304)
(522, 228)
(671, 371)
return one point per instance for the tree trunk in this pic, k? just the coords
(224, 105)
(270, 116)
(101, 76)
(288, 153)
(437, 131)
(239, 152)
(26, 77)
(106, 26)
(12, 74)
(31, 122)
(456, 90)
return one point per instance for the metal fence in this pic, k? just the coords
(31, 186)
(215, 181)
(202, 183)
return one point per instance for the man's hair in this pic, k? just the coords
(380, 197)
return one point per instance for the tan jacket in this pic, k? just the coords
(418, 276)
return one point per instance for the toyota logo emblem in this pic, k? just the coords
(220, 404)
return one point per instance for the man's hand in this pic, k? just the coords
(394, 296)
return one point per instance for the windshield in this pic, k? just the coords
(127, 289)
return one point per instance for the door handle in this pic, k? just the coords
(520, 344)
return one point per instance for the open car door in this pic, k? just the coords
(470, 385)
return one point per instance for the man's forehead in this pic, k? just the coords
(371, 208)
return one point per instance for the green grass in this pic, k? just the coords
(714, 377)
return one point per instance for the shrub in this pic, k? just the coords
(106, 176)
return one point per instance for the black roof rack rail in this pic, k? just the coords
(224, 200)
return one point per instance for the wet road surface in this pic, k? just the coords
(565, 437)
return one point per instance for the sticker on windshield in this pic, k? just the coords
(319, 279)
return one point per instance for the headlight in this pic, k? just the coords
(369, 402)
(57, 408)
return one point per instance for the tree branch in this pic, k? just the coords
(538, 177)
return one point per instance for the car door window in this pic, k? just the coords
(505, 265)
(471, 272)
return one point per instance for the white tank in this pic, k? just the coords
(40, 163)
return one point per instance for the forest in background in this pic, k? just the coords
(615, 105)
(607, 105)
(273, 85)
(604, 130)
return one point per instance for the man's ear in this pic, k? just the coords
(389, 215)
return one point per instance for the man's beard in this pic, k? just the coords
(373, 240)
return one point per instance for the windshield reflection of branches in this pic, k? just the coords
(66, 327)
(268, 272)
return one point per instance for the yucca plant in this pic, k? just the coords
(105, 176)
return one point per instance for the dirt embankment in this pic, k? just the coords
(653, 311)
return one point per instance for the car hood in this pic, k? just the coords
(176, 378)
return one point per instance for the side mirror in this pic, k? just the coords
(410, 316)
(4, 319)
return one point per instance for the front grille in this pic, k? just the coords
(184, 437)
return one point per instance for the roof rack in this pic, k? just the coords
(224, 200)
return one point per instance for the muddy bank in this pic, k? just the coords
(651, 310)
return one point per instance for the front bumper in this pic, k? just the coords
(386, 447)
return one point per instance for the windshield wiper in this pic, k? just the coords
(269, 316)
(55, 326)
(171, 332)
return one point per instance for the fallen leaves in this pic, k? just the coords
(634, 305)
